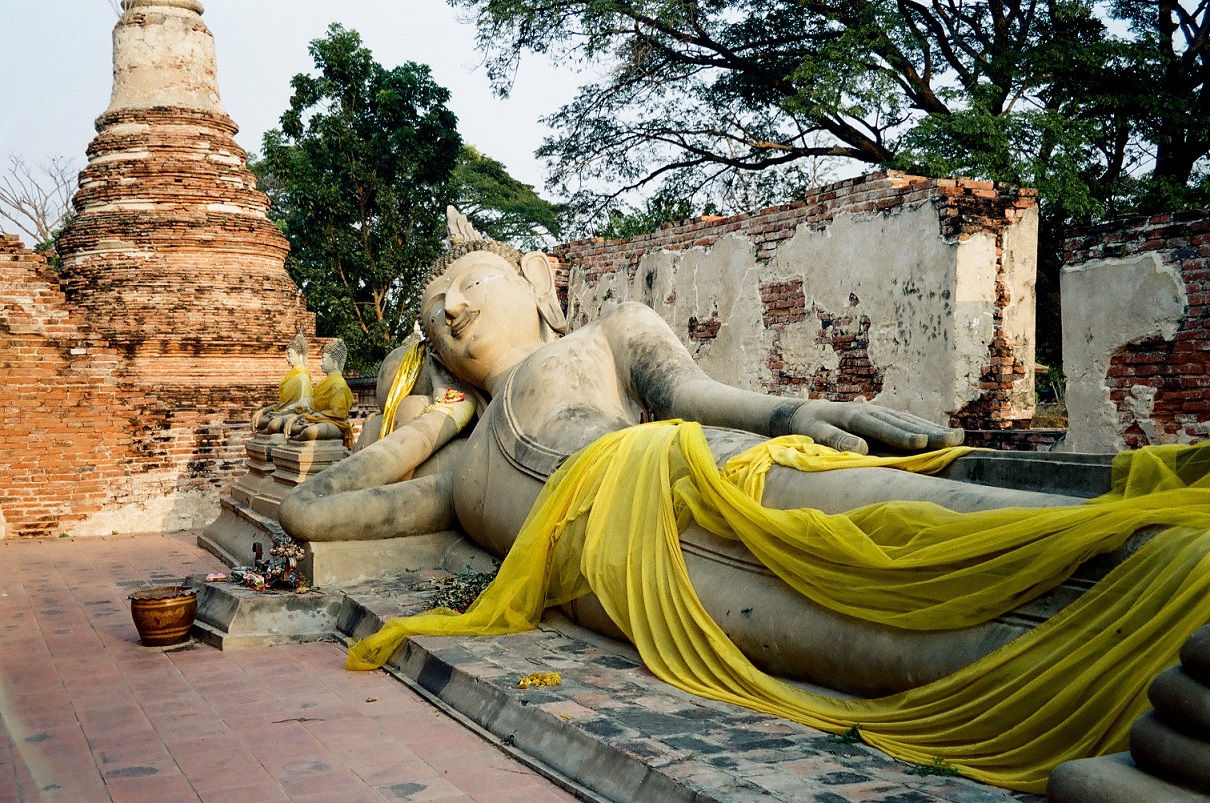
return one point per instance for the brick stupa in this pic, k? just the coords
(171, 252)
(173, 260)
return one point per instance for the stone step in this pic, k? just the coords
(230, 616)
(610, 731)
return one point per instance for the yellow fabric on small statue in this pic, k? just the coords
(294, 387)
(332, 403)
(405, 379)
(609, 521)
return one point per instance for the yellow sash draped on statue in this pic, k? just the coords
(405, 379)
(294, 387)
(332, 403)
(1068, 689)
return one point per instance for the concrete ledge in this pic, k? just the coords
(230, 537)
(1084, 475)
(614, 728)
(230, 616)
(343, 563)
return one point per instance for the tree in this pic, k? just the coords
(359, 178)
(1170, 59)
(698, 97)
(37, 201)
(499, 205)
(661, 208)
(697, 92)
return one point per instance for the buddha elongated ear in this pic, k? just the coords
(536, 270)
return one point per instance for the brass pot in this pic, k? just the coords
(163, 615)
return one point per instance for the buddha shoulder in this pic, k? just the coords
(574, 377)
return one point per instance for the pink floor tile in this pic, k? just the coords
(151, 789)
(90, 714)
(258, 791)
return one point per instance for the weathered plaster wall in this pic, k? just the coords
(1136, 333)
(164, 57)
(917, 293)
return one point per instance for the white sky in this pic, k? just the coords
(56, 71)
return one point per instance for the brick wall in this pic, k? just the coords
(1136, 318)
(65, 429)
(172, 267)
(968, 265)
(87, 445)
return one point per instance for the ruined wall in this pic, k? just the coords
(86, 446)
(139, 377)
(914, 292)
(82, 449)
(1136, 329)
(62, 424)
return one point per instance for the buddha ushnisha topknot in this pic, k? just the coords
(459, 249)
(298, 345)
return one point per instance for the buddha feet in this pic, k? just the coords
(1169, 758)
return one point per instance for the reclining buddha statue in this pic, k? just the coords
(736, 537)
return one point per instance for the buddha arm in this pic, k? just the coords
(658, 370)
(365, 495)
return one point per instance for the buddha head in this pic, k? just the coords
(486, 302)
(296, 351)
(333, 357)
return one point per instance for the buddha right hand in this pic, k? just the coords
(845, 426)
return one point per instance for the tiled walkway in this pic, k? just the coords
(89, 714)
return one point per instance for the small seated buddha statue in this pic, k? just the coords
(293, 393)
(328, 416)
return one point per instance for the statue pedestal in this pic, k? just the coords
(248, 513)
(260, 467)
(293, 463)
(231, 536)
(332, 564)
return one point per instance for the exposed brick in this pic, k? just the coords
(963, 207)
(1176, 368)
(178, 314)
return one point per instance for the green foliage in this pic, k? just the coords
(48, 247)
(655, 211)
(698, 91)
(499, 205)
(938, 766)
(851, 736)
(359, 177)
(457, 591)
(724, 101)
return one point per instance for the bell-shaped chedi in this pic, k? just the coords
(171, 253)
(179, 275)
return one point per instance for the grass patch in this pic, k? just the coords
(1050, 415)
(851, 736)
(939, 766)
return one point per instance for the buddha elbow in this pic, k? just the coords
(297, 517)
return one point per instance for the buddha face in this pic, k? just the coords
(295, 358)
(481, 316)
(328, 364)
